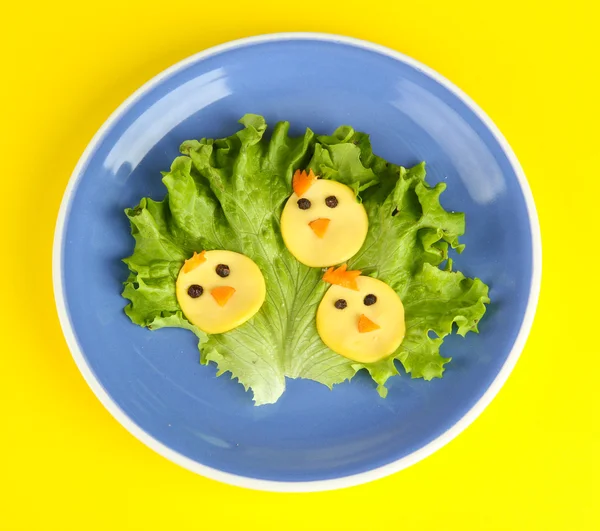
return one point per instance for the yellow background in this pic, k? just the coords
(529, 462)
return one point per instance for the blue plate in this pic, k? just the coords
(313, 438)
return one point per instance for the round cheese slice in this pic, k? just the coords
(339, 328)
(312, 239)
(236, 307)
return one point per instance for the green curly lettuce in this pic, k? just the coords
(229, 193)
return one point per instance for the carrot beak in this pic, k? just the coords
(222, 294)
(366, 325)
(319, 226)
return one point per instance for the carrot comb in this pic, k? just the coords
(193, 262)
(342, 277)
(302, 181)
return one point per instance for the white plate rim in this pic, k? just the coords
(296, 486)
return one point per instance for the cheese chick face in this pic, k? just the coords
(322, 223)
(219, 290)
(365, 324)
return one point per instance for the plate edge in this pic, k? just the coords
(317, 485)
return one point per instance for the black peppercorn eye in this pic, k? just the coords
(222, 270)
(331, 201)
(340, 304)
(303, 203)
(194, 291)
(370, 299)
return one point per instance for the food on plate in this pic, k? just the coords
(360, 318)
(285, 206)
(219, 290)
(323, 223)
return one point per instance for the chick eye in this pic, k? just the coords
(194, 291)
(370, 299)
(303, 203)
(331, 201)
(222, 270)
(340, 304)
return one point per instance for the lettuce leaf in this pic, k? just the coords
(229, 193)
